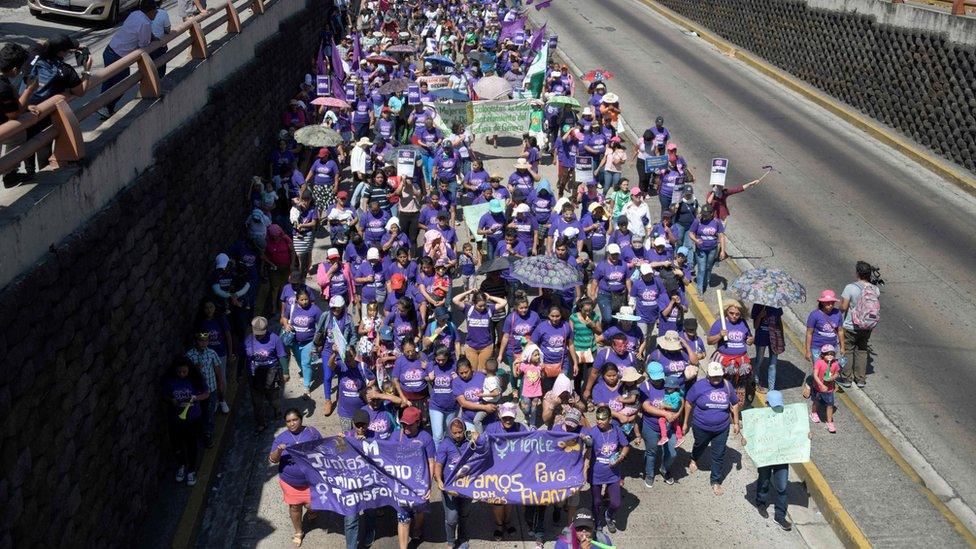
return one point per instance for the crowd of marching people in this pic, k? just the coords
(414, 327)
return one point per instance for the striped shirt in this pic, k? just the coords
(583, 337)
(208, 361)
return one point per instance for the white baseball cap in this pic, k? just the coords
(221, 261)
(522, 208)
(337, 301)
(660, 241)
(714, 369)
(372, 254)
(646, 268)
(613, 249)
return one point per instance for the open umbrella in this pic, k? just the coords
(331, 102)
(391, 155)
(439, 59)
(596, 75)
(498, 264)
(770, 287)
(318, 136)
(492, 87)
(396, 85)
(482, 57)
(564, 100)
(449, 94)
(546, 271)
(382, 60)
(403, 49)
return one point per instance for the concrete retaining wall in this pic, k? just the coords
(86, 333)
(911, 68)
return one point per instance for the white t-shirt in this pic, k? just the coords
(491, 383)
(851, 292)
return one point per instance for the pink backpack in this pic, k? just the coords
(867, 312)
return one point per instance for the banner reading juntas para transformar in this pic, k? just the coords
(529, 468)
(500, 117)
(774, 437)
(348, 475)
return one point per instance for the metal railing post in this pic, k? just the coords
(233, 19)
(149, 87)
(69, 145)
(198, 42)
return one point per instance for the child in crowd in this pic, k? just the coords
(529, 369)
(824, 384)
(491, 391)
(673, 400)
(467, 263)
(628, 403)
(690, 335)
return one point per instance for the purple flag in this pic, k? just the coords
(348, 475)
(543, 4)
(528, 468)
(337, 89)
(357, 50)
(337, 69)
(535, 44)
(320, 61)
(510, 28)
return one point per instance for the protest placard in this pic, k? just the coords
(720, 166)
(340, 340)
(413, 94)
(451, 113)
(347, 475)
(472, 215)
(435, 82)
(350, 90)
(322, 86)
(500, 117)
(584, 169)
(654, 163)
(777, 437)
(406, 162)
(528, 468)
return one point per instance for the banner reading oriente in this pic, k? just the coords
(528, 468)
(500, 117)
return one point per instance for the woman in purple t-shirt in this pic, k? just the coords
(480, 340)
(732, 342)
(411, 372)
(825, 326)
(443, 405)
(712, 405)
(708, 234)
(294, 486)
(183, 390)
(555, 340)
(467, 389)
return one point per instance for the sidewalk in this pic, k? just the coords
(245, 508)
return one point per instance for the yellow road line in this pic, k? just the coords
(954, 174)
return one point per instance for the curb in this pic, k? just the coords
(956, 175)
(830, 507)
(189, 525)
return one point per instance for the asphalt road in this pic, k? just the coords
(837, 196)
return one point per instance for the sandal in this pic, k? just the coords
(297, 539)
(717, 489)
(692, 467)
(498, 535)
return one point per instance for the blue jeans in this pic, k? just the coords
(718, 440)
(776, 476)
(456, 511)
(773, 360)
(665, 202)
(705, 259)
(303, 356)
(605, 304)
(428, 162)
(327, 372)
(108, 57)
(658, 458)
(610, 179)
(439, 422)
(351, 526)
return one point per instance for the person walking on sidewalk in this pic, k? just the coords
(712, 406)
(860, 305)
(775, 477)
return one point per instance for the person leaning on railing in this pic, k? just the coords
(135, 32)
(13, 57)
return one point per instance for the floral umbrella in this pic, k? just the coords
(546, 271)
(396, 85)
(597, 75)
(401, 49)
(318, 136)
(331, 102)
(770, 287)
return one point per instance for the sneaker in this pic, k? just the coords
(678, 442)
(761, 507)
(669, 480)
(662, 441)
(814, 417)
(861, 384)
(224, 408)
(649, 483)
(784, 524)
(844, 382)
(830, 427)
(191, 479)
(611, 526)
(104, 113)
(180, 474)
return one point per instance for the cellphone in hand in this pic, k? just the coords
(81, 56)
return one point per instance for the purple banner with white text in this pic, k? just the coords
(529, 468)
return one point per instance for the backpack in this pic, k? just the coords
(867, 311)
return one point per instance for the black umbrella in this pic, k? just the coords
(396, 85)
(497, 264)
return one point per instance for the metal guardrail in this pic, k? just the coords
(65, 129)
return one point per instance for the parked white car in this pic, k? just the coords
(107, 11)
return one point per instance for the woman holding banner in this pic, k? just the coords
(456, 507)
(610, 448)
(294, 486)
(410, 521)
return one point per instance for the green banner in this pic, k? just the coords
(777, 437)
(472, 215)
(500, 117)
(452, 112)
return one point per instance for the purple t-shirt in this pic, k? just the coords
(735, 343)
(217, 326)
(607, 355)
(182, 390)
(603, 394)
(669, 322)
(442, 395)
(382, 422)
(656, 397)
(610, 277)
(825, 327)
(495, 223)
(412, 374)
(449, 455)
(707, 233)
(424, 439)
(288, 470)
(711, 404)
(497, 428)
(525, 227)
(521, 181)
(402, 327)
(541, 206)
(409, 271)
(606, 449)
(263, 354)
(373, 226)
(410, 292)
(674, 362)
(553, 341)
(479, 327)
(352, 381)
(367, 268)
(471, 390)
(634, 335)
(324, 172)
(447, 167)
(303, 321)
(522, 329)
(645, 295)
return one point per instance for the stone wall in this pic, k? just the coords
(86, 334)
(907, 76)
